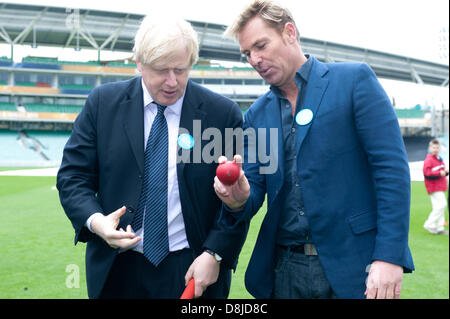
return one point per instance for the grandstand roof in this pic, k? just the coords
(103, 30)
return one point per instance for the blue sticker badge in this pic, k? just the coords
(186, 141)
(304, 117)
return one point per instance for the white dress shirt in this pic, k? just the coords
(175, 221)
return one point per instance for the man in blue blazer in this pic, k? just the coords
(105, 170)
(338, 201)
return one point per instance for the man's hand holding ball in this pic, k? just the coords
(230, 183)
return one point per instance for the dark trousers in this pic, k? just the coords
(298, 276)
(132, 276)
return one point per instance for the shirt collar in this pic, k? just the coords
(305, 69)
(302, 74)
(150, 102)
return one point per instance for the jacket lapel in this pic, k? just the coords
(191, 111)
(133, 121)
(273, 120)
(317, 86)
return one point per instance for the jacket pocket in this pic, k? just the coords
(362, 222)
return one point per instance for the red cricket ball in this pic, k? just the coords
(228, 172)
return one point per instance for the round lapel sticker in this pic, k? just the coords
(304, 117)
(186, 141)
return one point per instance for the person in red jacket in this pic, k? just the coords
(435, 173)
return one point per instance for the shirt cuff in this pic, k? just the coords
(236, 213)
(89, 220)
(234, 210)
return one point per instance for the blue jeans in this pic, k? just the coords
(298, 276)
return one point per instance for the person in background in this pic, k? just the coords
(435, 177)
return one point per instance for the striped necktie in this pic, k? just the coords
(154, 192)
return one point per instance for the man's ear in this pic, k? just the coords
(290, 33)
(139, 65)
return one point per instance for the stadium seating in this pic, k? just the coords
(33, 148)
(79, 78)
(410, 113)
(53, 108)
(53, 143)
(14, 153)
(75, 89)
(122, 65)
(28, 89)
(8, 107)
(5, 61)
(89, 67)
(38, 63)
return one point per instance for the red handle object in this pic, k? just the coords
(189, 291)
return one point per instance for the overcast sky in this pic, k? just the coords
(406, 27)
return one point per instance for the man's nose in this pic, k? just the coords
(171, 79)
(255, 59)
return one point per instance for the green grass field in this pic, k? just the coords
(39, 259)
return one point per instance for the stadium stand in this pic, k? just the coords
(53, 108)
(37, 76)
(52, 143)
(31, 148)
(7, 106)
(40, 97)
(410, 113)
(5, 61)
(46, 92)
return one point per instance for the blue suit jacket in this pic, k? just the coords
(353, 174)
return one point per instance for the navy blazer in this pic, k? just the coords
(353, 174)
(102, 170)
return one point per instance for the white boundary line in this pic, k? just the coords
(52, 171)
(415, 169)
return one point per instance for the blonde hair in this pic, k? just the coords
(160, 37)
(272, 13)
